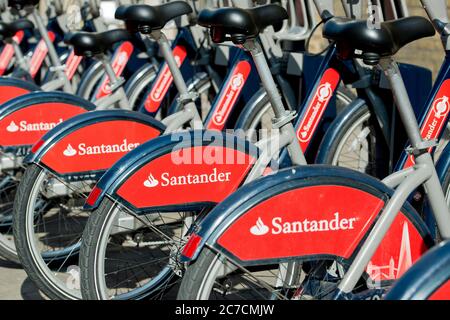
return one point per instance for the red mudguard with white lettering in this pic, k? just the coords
(26, 119)
(194, 169)
(312, 212)
(167, 181)
(93, 142)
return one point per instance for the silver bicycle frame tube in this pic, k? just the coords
(437, 12)
(323, 5)
(190, 108)
(52, 52)
(20, 58)
(295, 152)
(436, 9)
(118, 94)
(424, 173)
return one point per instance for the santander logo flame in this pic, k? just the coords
(69, 151)
(259, 228)
(13, 127)
(151, 181)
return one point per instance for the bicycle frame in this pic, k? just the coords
(405, 182)
(240, 81)
(313, 108)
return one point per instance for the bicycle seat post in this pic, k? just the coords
(21, 61)
(60, 70)
(114, 81)
(186, 98)
(283, 117)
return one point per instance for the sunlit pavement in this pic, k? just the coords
(15, 284)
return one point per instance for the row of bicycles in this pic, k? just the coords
(228, 161)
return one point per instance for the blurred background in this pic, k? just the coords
(426, 52)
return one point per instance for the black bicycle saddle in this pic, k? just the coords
(90, 44)
(144, 18)
(20, 4)
(241, 24)
(386, 40)
(8, 30)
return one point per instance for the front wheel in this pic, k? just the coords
(48, 221)
(8, 187)
(125, 255)
(357, 144)
(213, 277)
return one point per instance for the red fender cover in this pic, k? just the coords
(97, 146)
(27, 125)
(322, 220)
(164, 181)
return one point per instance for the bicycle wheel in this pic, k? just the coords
(138, 85)
(213, 277)
(90, 80)
(48, 221)
(258, 116)
(263, 243)
(358, 145)
(8, 185)
(129, 256)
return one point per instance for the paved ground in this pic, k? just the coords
(15, 285)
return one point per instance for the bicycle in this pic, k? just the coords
(113, 195)
(53, 150)
(78, 172)
(362, 254)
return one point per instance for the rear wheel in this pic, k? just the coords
(90, 81)
(48, 222)
(359, 145)
(214, 277)
(8, 187)
(136, 92)
(130, 256)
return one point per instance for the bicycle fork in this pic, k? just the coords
(404, 182)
